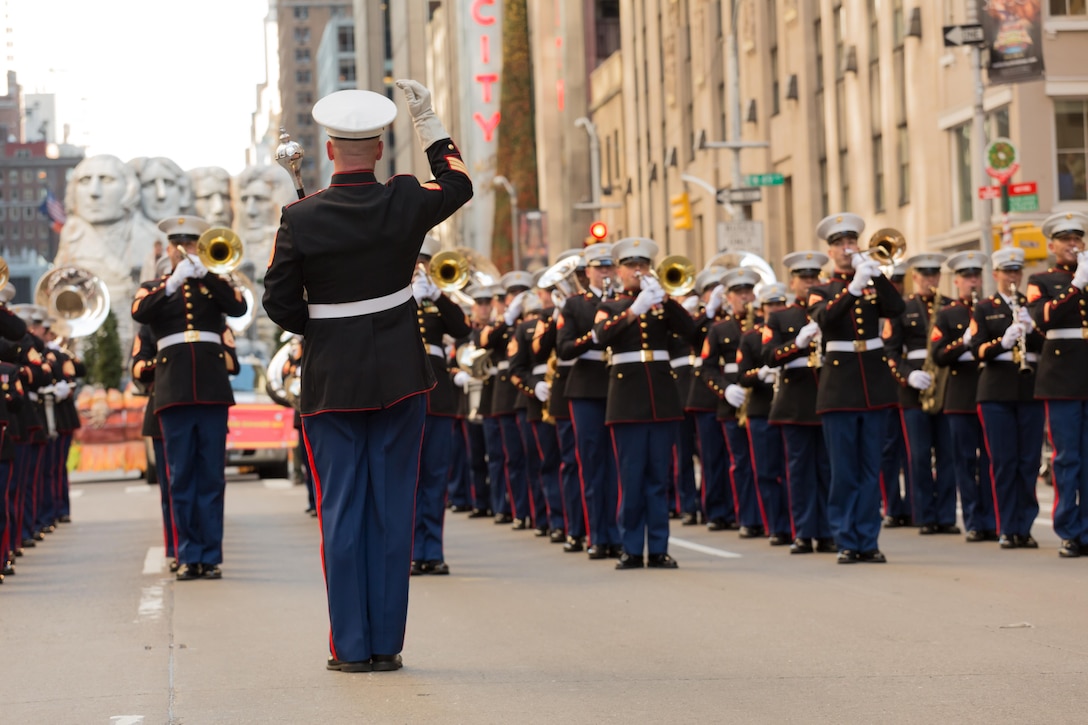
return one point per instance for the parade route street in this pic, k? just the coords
(94, 629)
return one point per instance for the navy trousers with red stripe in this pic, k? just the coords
(1014, 437)
(365, 466)
(644, 484)
(1068, 423)
(597, 464)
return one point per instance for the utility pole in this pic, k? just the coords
(734, 91)
(984, 210)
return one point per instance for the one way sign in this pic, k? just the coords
(956, 35)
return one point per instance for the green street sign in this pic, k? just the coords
(765, 179)
(1028, 202)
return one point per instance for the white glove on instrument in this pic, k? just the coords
(863, 274)
(61, 390)
(1024, 318)
(735, 395)
(767, 374)
(691, 304)
(651, 295)
(1080, 278)
(807, 334)
(185, 269)
(558, 299)
(513, 311)
(543, 391)
(424, 288)
(1012, 333)
(428, 127)
(461, 379)
(714, 304)
(967, 337)
(919, 380)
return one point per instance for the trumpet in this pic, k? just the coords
(676, 273)
(220, 250)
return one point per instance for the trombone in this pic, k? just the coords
(220, 250)
(676, 273)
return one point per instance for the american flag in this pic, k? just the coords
(53, 209)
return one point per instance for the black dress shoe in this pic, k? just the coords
(1026, 542)
(717, 525)
(557, 536)
(8, 570)
(750, 532)
(628, 561)
(29, 543)
(674, 514)
(480, 514)
(520, 524)
(39, 536)
(460, 508)
(386, 663)
(891, 522)
(846, 556)
(990, 535)
(417, 569)
(597, 551)
(826, 546)
(174, 566)
(1069, 549)
(65, 519)
(540, 531)
(780, 539)
(437, 567)
(905, 520)
(661, 561)
(974, 536)
(503, 519)
(342, 666)
(574, 545)
(689, 519)
(928, 529)
(187, 572)
(1007, 542)
(948, 529)
(615, 551)
(801, 546)
(876, 556)
(211, 571)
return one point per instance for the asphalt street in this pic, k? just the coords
(94, 629)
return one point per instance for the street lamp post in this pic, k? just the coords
(501, 181)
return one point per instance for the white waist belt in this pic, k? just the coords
(1007, 357)
(680, 362)
(801, 362)
(503, 365)
(965, 357)
(873, 343)
(916, 355)
(188, 336)
(1068, 333)
(436, 350)
(360, 307)
(565, 363)
(730, 368)
(597, 355)
(540, 369)
(32, 395)
(639, 356)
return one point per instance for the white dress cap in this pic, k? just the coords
(834, 226)
(177, 226)
(598, 255)
(1008, 258)
(573, 253)
(1066, 221)
(963, 261)
(516, 278)
(926, 260)
(798, 261)
(774, 292)
(354, 114)
(741, 277)
(634, 248)
(709, 277)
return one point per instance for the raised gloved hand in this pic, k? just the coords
(1012, 333)
(967, 337)
(542, 391)
(428, 128)
(513, 310)
(651, 295)
(1024, 318)
(919, 379)
(767, 374)
(863, 274)
(424, 288)
(1080, 277)
(735, 395)
(61, 390)
(714, 304)
(807, 334)
(461, 379)
(691, 304)
(185, 269)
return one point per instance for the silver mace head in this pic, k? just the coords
(289, 153)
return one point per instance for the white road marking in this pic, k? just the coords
(704, 549)
(278, 483)
(150, 602)
(155, 561)
(126, 719)
(138, 489)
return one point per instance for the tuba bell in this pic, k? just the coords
(676, 274)
(562, 279)
(220, 250)
(75, 296)
(284, 388)
(241, 323)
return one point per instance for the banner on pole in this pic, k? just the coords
(1014, 36)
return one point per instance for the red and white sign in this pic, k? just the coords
(1023, 189)
(989, 192)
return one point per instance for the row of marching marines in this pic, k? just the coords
(595, 400)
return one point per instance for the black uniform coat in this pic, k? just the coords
(1056, 304)
(499, 340)
(586, 378)
(143, 371)
(13, 398)
(720, 349)
(525, 358)
(357, 240)
(34, 374)
(749, 361)
(680, 348)
(1000, 381)
(545, 343)
(190, 373)
(641, 392)
(952, 321)
(436, 319)
(904, 334)
(856, 380)
(795, 402)
(700, 398)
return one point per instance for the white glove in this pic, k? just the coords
(53, 345)
(863, 274)
(967, 336)
(185, 269)
(513, 312)
(735, 395)
(714, 304)
(423, 288)
(767, 374)
(542, 391)
(461, 379)
(558, 299)
(919, 379)
(61, 390)
(650, 295)
(1080, 278)
(1024, 318)
(690, 304)
(199, 270)
(807, 334)
(1012, 333)
(428, 127)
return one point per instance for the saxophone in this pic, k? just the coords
(932, 398)
(549, 377)
(1020, 352)
(746, 324)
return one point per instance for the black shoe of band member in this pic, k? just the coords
(1069, 549)
(574, 544)
(437, 567)
(1007, 542)
(597, 551)
(211, 571)
(846, 556)
(342, 666)
(801, 546)
(826, 546)
(557, 536)
(629, 561)
(188, 572)
(661, 561)
(974, 536)
(876, 556)
(386, 663)
(1026, 542)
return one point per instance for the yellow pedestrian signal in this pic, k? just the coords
(681, 211)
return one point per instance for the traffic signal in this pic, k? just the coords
(681, 211)
(598, 231)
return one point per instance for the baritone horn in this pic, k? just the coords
(886, 247)
(76, 296)
(676, 273)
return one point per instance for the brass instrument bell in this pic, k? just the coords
(220, 250)
(76, 296)
(676, 274)
(450, 270)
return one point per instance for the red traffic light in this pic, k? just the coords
(598, 230)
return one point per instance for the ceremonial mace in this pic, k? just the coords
(289, 155)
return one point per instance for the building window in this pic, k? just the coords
(3, 212)
(13, 176)
(902, 147)
(840, 48)
(304, 98)
(874, 30)
(302, 76)
(997, 123)
(878, 173)
(1068, 7)
(722, 105)
(1071, 126)
(28, 176)
(345, 39)
(301, 13)
(347, 71)
(818, 30)
(824, 200)
(304, 119)
(302, 55)
(876, 117)
(29, 213)
(302, 35)
(964, 181)
(899, 27)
